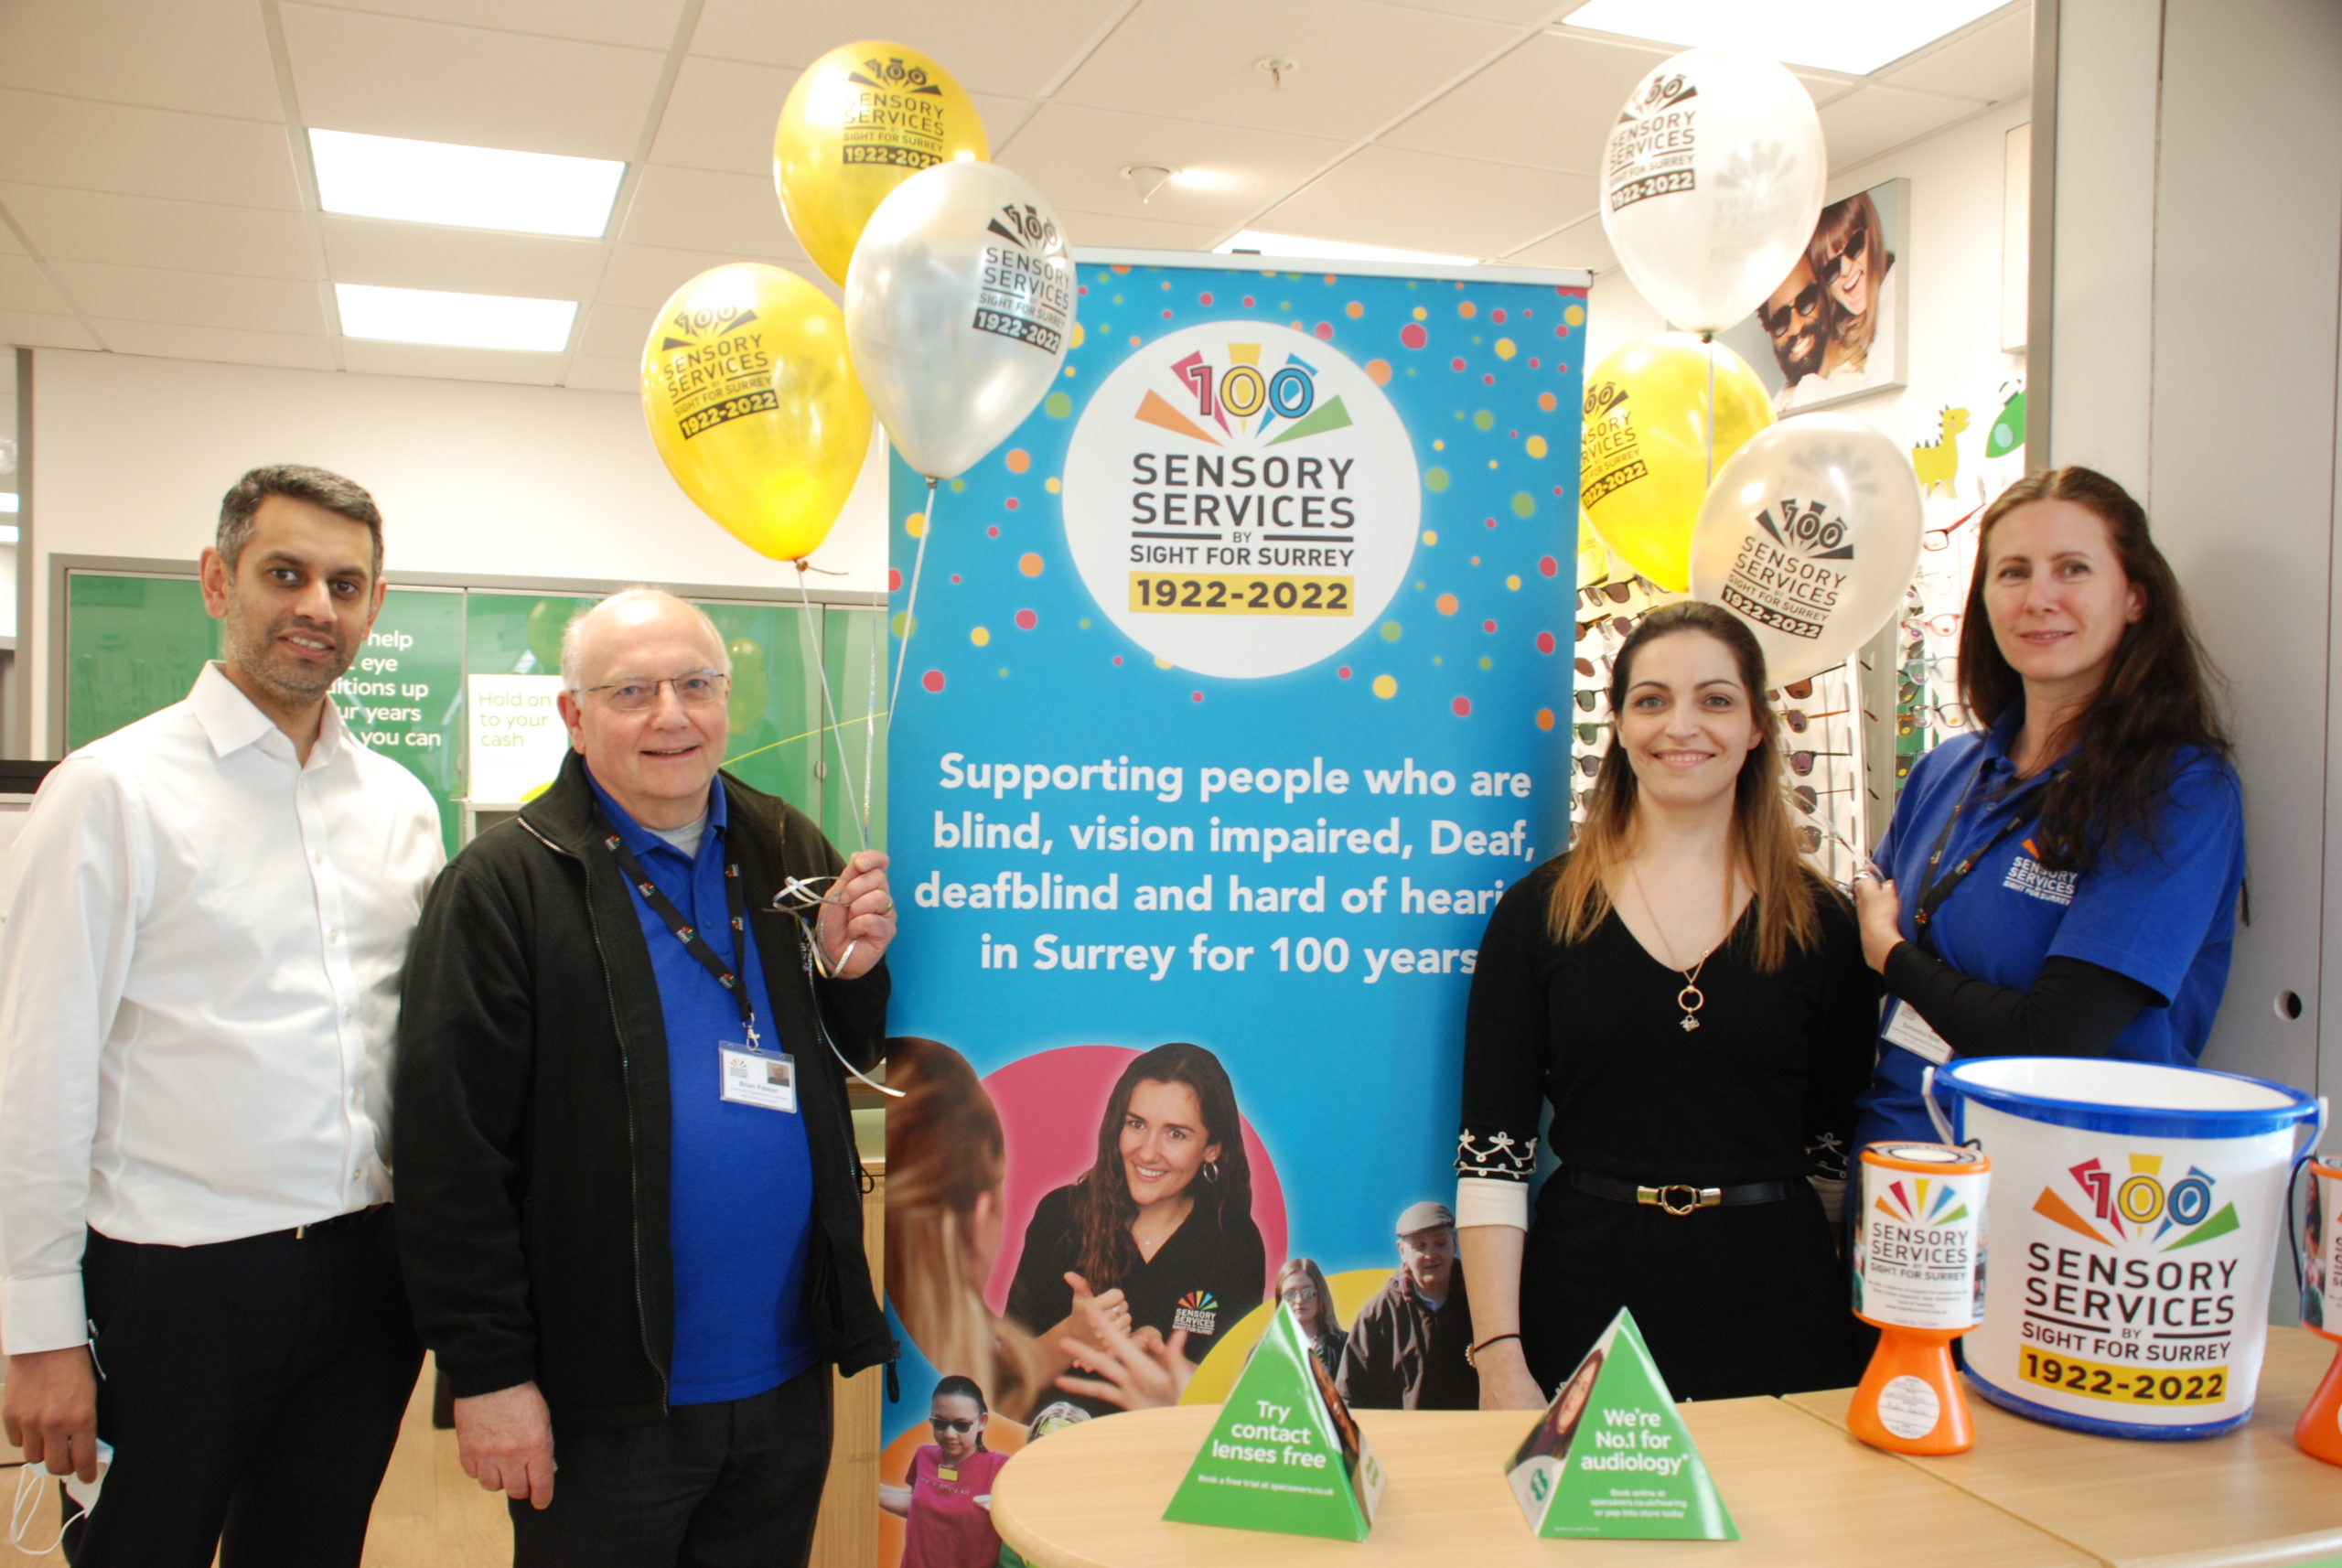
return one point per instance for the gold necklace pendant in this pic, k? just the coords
(1690, 999)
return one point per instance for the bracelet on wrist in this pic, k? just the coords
(1472, 1353)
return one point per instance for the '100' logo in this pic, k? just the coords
(1242, 391)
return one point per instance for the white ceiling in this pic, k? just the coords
(156, 194)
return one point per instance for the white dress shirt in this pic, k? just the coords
(198, 992)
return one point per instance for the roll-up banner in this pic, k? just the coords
(1238, 690)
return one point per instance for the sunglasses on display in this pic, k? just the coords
(1797, 718)
(1856, 244)
(1616, 628)
(1594, 594)
(1588, 765)
(1586, 701)
(1584, 666)
(1592, 734)
(1808, 799)
(963, 1425)
(1944, 625)
(1801, 762)
(693, 688)
(1780, 323)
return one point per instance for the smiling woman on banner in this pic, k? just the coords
(2063, 881)
(1159, 1232)
(1690, 999)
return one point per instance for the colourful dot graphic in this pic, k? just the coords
(1575, 316)
(1484, 419)
(895, 581)
(1488, 625)
(1545, 643)
(1462, 707)
(1019, 460)
(1455, 364)
(1544, 718)
(1325, 332)
(1434, 480)
(1525, 505)
(1389, 631)
(1354, 310)
(1421, 314)
(1203, 299)
(1161, 663)
(1379, 372)
(1468, 310)
(1414, 336)
(1507, 349)
(904, 625)
(1057, 405)
(932, 680)
(1546, 402)
(916, 524)
(993, 531)
(1487, 662)
(1535, 447)
(1431, 536)
(1196, 696)
(1343, 673)
(1027, 620)
(1029, 564)
(1385, 686)
(1548, 565)
(1513, 583)
(979, 635)
(1445, 604)
(1053, 484)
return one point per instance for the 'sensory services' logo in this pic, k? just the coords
(1241, 499)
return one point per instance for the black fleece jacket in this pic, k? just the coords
(530, 1134)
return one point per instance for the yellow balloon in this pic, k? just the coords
(1645, 459)
(754, 407)
(863, 119)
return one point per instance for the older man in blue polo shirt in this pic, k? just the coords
(629, 1194)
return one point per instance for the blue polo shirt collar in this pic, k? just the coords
(640, 840)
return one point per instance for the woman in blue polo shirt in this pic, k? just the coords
(2064, 881)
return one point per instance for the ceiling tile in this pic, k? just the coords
(1824, 85)
(1073, 156)
(1360, 64)
(647, 276)
(1863, 125)
(1003, 117)
(1016, 52)
(1991, 63)
(1121, 231)
(1582, 245)
(8, 247)
(27, 329)
(24, 286)
(643, 24)
(1518, 13)
(164, 340)
(720, 116)
(45, 140)
(194, 299)
(592, 374)
(1548, 104)
(699, 209)
(615, 331)
(367, 357)
(210, 57)
(465, 261)
(1423, 201)
(144, 231)
(386, 76)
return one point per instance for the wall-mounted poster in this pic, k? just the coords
(1834, 330)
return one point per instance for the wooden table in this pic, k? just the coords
(2248, 1496)
(1092, 1497)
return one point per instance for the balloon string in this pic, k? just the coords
(829, 707)
(911, 610)
(870, 729)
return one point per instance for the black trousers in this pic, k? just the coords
(714, 1486)
(251, 1391)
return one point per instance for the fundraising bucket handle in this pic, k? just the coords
(1935, 1111)
(2301, 1156)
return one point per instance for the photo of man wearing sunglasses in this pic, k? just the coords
(1831, 330)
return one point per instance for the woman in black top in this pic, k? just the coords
(1690, 999)
(1159, 1230)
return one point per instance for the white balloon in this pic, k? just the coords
(959, 311)
(1711, 185)
(1810, 533)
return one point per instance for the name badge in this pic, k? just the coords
(765, 1079)
(1906, 1028)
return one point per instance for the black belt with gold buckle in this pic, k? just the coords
(1678, 1197)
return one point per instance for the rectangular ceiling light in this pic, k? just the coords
(1826, 35)
(1265, 244)
(467, 187)
(455, 320)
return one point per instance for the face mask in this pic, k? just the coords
(28, 1488)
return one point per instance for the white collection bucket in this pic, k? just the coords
(2135, 1208)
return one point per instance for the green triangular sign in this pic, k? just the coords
(1611, 1457)
(1284, 1455)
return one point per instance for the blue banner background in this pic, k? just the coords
(1351, 1085)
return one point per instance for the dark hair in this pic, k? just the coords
(959, 1387)
(318, 487)
(2158, 700)
(1101, 1206)
(1788, 892)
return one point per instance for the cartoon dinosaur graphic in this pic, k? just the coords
(1938, 461)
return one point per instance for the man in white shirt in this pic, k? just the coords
(199, 993)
